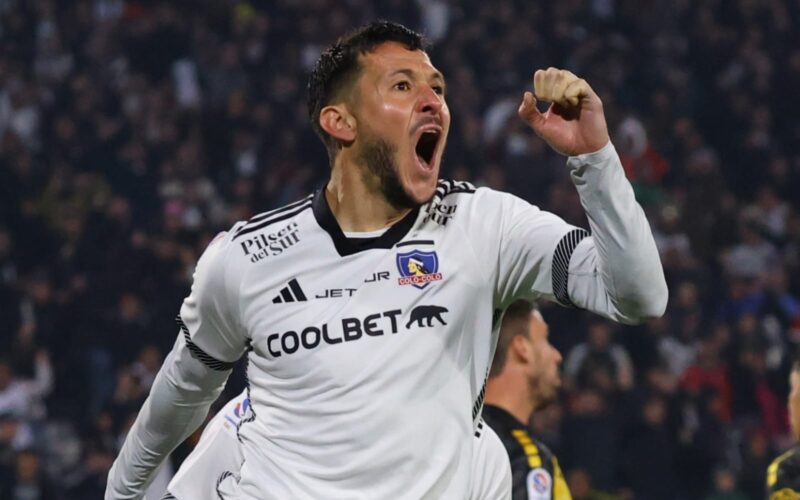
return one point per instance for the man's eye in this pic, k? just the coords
(438, 89)
(402, 86)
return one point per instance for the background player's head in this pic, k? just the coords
(375, 98)
(794, 397)
(524, 347)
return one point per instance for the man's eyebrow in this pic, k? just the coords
(436, 74)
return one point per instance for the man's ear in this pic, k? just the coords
(521, 348)
(337, 121)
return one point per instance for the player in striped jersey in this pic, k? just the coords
(524, 378)
(371, 387)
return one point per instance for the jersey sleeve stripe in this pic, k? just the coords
(225, 475)
(561, 259)
(200, 354)
(250, 228)
(270, 213)
(446, 187)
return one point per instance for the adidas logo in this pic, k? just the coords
(290, 293)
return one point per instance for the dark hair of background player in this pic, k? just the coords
(516, 321)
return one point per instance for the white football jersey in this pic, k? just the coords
(212, 468)
(367, 358)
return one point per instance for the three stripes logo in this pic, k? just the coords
(290, 293)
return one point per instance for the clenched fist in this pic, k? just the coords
(574, 123)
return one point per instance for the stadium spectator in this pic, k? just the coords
(725, 487)
(23, 397)
(651, 475)
(599, 362)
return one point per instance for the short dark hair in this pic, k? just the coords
(515, 322)
(338, 66)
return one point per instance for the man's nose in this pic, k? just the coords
(429, 101)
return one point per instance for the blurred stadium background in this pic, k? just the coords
(131, 132)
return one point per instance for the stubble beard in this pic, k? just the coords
(379, 171)
(544, 394)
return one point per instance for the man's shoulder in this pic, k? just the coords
(463, 201)
(784, 471)
(450, 189)
(508, 429)
(271, 219)
(447, 187)
(515, 436)
(544, 451)
(269, 233)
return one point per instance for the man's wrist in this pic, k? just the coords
(599, 156)
(581, 166)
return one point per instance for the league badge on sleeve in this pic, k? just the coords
(540, 484)
(418, 268)
(236, 416)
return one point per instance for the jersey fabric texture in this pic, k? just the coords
(783, 476)
(535, 472)
(491, 472)
(215, 461)
(367, 358)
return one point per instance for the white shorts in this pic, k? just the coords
(211, 471)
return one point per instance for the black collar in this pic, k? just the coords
(348, 246)
(499, 418)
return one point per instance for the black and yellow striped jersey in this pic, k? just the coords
(535, 472)
(783, 476)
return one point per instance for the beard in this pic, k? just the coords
(544, 393)
(379, 170)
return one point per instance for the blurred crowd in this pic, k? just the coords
(132, 132)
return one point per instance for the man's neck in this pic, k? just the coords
(358, 208)
(509, 391)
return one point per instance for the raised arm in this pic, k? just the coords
(615, 270)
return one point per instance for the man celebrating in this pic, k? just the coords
(365, 378)
(524, 378)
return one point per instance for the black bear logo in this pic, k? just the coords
(421, 313)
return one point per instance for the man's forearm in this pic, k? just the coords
(179, 400)
(625, 254)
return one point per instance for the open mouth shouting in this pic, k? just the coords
(428, 145)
